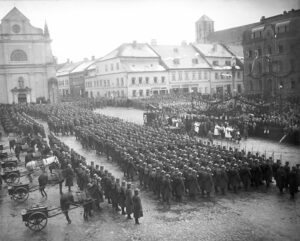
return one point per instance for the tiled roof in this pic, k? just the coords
(213, 50)
(67, 68)
(137, 50)
(83, 66)
(180, 57)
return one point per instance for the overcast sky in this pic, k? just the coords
(85, 28)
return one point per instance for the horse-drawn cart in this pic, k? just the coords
(36, 217)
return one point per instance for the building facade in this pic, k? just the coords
(131, 71)
(226, 75)
(272, 56)
(27, 66)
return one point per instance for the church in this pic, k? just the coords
(27, 66)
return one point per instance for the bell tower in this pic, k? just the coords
(204, 26)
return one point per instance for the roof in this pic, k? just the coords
(213, 50)
(82, 66)
(142, 67)
(205, 18)
(185, 55)
(15, 14)
(137, 50)
(237, 50)
(67, 68)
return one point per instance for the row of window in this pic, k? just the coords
(227, 75)
(216, 63)
(112, 67)
(194, 75)
(141, 80)
(278, 29)
(276, 66)
(63, 82)
(102, 83)
(289, 85)
(268, 50)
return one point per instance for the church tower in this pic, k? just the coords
(204, 26)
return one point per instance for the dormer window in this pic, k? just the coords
(282, 27)
(195, 61)
(176, 61)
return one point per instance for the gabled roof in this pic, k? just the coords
(15, 14)
(180, 56)
(82, 66)
(67, 68)
(142, 67)
(213, 50)
(135, 50)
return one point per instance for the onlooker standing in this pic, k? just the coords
(137, 206)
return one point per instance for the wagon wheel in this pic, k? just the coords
(20, 194)
(37, 221)
(12, 178)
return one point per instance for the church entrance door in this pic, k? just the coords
(22, 98)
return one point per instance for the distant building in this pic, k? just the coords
(272, 56)
(27, 66)
(226, 74)
(133, 70)
(187, 70)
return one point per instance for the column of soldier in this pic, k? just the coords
(169, 163)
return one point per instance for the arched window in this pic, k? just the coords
(18, 55)
(21, 82)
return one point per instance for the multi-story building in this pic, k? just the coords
(133, 70)
(272, 56)
(27, 66)
(226, 75)
(63, 77)
(187, 70)
(77, 78)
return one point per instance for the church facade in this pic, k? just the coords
(27, 66)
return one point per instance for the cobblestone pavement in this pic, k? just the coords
(255, 215)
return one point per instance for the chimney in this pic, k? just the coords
(93, 57)
(153, 42)
(134, 43)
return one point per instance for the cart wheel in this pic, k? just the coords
(20, 194)
(12, 178)
(37, 221)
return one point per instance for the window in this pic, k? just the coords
(228, 63)
(205, 75)
(195, 61)
(216, 75)
(147, 80)
(118, 82)
(280, 49)
(133, 80)
(106, 68)
(179, 75)
(122, 93)
(251, 85)
(259, 68)
(186, 75)
(101, 82)
(111, 67)
(155, 80)
(193, 75)
(293, 84)
(122, 82)
(200, 90)
(141, 92)
(216, 63)
(206, 90)
(21, 82)
(147, 92)
(176, 61)
(269, 50)
(259, 53)
(199, 75)
(292, 63)
(173, 76)
(134, 93)
(140, 80)
(104, 82)
(18, 55)
(250, 54)
(238, 74)
(163, 79)
(117, 66)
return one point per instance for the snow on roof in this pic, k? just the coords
(142, 67)
(131, 50)
(83, 66)
(213, 50)
(180, 57)
(66, 68)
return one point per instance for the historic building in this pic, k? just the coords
(226, 75)
(187, 70)
(272, 56)
(27, 66)
(133, 70)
